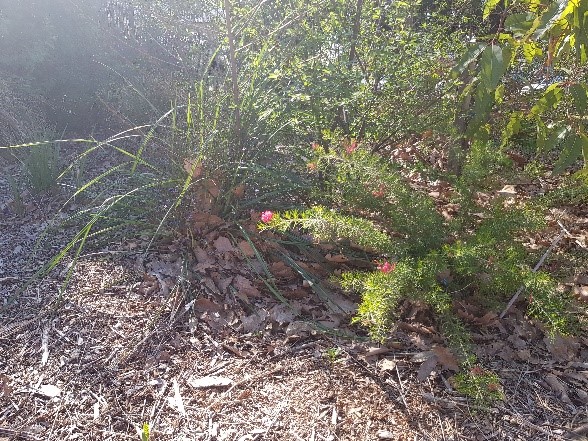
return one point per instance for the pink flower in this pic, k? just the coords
(387, 267)
(315, 145)
(267, 216)
(351, 146)
(477, 371)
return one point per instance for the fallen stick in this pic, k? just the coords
(9, 279)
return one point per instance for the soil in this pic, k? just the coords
(188, 338)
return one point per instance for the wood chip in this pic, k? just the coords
(212, 381)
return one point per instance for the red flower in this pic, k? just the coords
(267, 216)
(387, 267)
(380, 192)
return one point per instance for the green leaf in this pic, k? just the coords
(585, 150)
(513, 127)
(470, 56)
(550, 99)
(484, 101)
(549, 17)
(145, 432)
(499, 94)
(548, 143)
(489, 6)
(572, 149)
(578, 92)
(519, 24)
(493, 64)
(531, 50)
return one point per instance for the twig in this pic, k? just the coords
(514, 298)
(401, 389)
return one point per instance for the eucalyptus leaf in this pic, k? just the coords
(549, 17)
(467, 58)
(578, 92)
(493, 64)
(572, 149)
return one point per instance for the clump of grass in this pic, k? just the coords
(42, 167)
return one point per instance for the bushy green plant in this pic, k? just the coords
(415, 279)
(16, 193)
(484, 164)
(480, 384)
(549, 305)
(484, 262)
(570, 192)
(357, 181)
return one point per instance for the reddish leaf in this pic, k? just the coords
(205, 305)
(239, 191)
(193, 168)
(337, 258)
(282, 271)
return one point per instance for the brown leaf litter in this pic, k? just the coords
(195, 345)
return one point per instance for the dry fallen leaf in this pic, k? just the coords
(387, 364)
(204, 221)
(581, 293)
(281, 314)
(255, 321)
(48, 390)
(176, 401)
(5, 389)
(337, 258)
(562, 348)
(246, 248)
(282, 271)
(427, 367)
(446, 358)
(557, 386)
(205, 305)
(508, 191)
(244, 286)
(193, 168)
(224, 245)
(212, 187)
(239, 191)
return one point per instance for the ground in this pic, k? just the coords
(194, 344)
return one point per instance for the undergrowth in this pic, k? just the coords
(279, 133)
(417, 255)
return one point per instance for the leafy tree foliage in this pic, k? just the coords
(533, 70)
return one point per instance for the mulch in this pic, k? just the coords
(189, 339)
